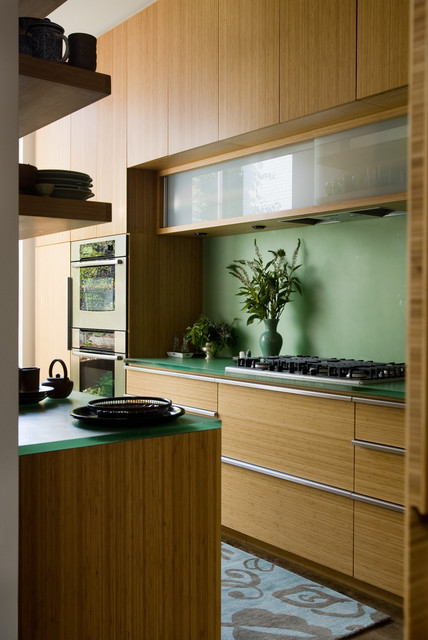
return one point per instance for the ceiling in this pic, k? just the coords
(95, 16)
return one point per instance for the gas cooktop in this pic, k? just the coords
(342, 371)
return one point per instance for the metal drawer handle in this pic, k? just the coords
(100, 356)
(363, 444)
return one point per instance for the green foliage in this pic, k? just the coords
(266, 288)
(204, 330)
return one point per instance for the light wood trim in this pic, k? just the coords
(192, 30)
(379, 474)
(303, 436)
(385, 425)
(52, 267)
(50, 90)
(39, 8)
(147, 85)
(122, 540)
(379, 547)
(192, 393)
(248, 65)
(318, 55)
(381, 65)
(283, 514)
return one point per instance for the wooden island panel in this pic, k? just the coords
(121, 540)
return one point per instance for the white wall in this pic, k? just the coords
(9, 319)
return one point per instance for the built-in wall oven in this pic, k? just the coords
(98, 315)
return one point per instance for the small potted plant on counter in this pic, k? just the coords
(266, 289)
(210, 336)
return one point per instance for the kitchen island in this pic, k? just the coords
(313, 471)
(119, 527)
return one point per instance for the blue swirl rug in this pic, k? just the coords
(261, 601)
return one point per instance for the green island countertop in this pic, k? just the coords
(48, 426)
(215, 370)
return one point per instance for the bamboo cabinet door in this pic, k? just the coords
(192, 73)
(111, 130)
(248, 65)
(147, 87)
(382, 46)
(317, 55)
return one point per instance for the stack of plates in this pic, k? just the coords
(67, 184)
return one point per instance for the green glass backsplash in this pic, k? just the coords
(353, 276)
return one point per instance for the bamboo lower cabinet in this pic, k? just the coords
(121, 540)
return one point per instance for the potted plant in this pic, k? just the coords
(266, 289)
(210, 336)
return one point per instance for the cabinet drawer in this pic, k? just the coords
(296, 518)
(199, 394)
(379, 474)
(381, 424)
(379, 547)
(304, 436)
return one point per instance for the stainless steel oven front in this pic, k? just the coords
(97, 362)
(99, 283)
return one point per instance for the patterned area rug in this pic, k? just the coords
(261, 601)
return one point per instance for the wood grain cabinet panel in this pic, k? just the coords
(248, 65)
(147, 86)
(298, 519)
(379, 547)
(111, 130)
(52, 267)
(305, 436)
(199, 394)
(379, 474)
(381, 424)
(52, 151)
(122, 540)
(317, 55)
(192, 29)
(382, 46)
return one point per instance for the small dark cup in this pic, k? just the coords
(82, 51)
(29, 378)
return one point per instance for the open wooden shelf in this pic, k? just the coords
(39, 215)
(286, 219)
(49, 91)
(38, 8)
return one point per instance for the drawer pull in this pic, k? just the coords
(286, 476)
(376, 502)
(374, 446)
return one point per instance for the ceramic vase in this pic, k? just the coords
(270, 341)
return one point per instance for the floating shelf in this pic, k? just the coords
(49, 91)
(38, 8)
(39, 215)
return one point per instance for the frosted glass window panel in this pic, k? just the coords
(361, 162)
(356, 163)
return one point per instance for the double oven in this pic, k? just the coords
(97, 315)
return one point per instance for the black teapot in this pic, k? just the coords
(62, 387)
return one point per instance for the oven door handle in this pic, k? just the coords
(96, 263)
(92, 354)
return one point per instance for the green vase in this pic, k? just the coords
(270, 341)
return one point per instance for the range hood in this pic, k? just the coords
(349, 216)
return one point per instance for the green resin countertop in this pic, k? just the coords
(48, 426)
(215, 370)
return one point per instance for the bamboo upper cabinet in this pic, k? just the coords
(248, 65)
(382, 46)
(193, 53)
(147, 87)
(317, 55)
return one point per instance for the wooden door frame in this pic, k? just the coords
(416, 539)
